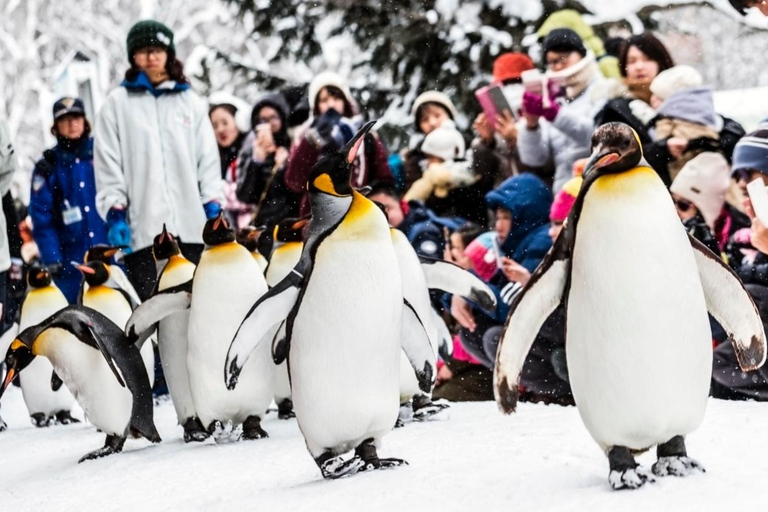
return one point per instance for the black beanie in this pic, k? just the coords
(563, 40)
(150, 33)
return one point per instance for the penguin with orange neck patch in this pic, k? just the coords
(638, 339)
(248, 237)
(174, 284)
(344, 308)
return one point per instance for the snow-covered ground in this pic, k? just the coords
(472, 459)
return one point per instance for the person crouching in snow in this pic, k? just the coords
(62, 203)
(155, 156)
(446, 168)
(333, 123)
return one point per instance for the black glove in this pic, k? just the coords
(322, 132)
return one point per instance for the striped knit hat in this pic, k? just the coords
(751, 152)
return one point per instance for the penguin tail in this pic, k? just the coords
(151, 434)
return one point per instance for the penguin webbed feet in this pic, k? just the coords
(367, 453)
(625, 473)
(42, 420)
(673, 460)
(3, 425)
(252, 429)
(113, 444)
(194, 431)
(225, 433)
(65, 418)
(285, 409)
(424, 408)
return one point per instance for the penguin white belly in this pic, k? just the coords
(638, 337)
(172, 340)
(112, 304)
(35, 380)
(227, 283)
(106, 404)
(172, 345)
(345, 350)
(284, 258)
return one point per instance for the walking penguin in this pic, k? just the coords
(638, 340)
(343, 306)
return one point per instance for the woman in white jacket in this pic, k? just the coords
(7, 168)
(156, 158)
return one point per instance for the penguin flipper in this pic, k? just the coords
(271, 308)
(529, 310)
(451, 278)
(418, 350)
(445, 346)
(121, 280)
(280, 345)
(56, 381)
(732, 306)
(142, 323)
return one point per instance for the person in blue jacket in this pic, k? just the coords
(521, 206)
(65, 223)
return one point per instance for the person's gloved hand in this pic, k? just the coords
(212, 209)
(533, 105)
(119, 232)
(325, 129)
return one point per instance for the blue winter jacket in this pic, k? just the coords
(529, 200)
(63, 209)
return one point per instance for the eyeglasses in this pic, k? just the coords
(268, 119)
(683, 205)
(149, 50)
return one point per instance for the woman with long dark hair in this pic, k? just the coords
(156, 156)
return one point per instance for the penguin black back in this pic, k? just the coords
(217, 231)
(38, 277)
(164, 245)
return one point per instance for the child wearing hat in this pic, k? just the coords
(443, 149)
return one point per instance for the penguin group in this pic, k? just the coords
(340, 289)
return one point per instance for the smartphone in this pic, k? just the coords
(497, 251)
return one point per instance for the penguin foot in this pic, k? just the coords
(336, 467)
(367, 452)
(113, 444)
(225, 433)
(625, 472)
(65, 418)
(677, 466)
(252, 429)
(399, 423)
(194, 431)
(427, 410)
(3, 425)
(40, 420)
(285, 409)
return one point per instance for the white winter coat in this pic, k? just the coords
(158, 157)
(7, 168)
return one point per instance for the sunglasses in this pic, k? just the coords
(683, 205)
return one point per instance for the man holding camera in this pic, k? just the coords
(567, 98)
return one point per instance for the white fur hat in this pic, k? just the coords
(704, 181)
(675, 79)
(444, 142)
(433, 97)
(329, 79)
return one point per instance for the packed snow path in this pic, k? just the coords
(473, 458)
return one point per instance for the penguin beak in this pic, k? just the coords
(111, 251)
(299, 224)
(8, 379)
(83, 268)
(219, 221)
(600, 158)
(352, 147)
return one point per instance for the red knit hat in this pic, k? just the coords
(509, 66)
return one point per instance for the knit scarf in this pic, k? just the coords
(577, 77)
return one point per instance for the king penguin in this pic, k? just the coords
(106, 296)
(174, 282)
(248, 237)
(286, 253)
(101, 367)
(638, 339)
(343, 306)
(105, 254)
(47, 400)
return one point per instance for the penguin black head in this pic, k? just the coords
(290, 230)
(38, 277)
(95, 273)
(248, 237)
(100, 252)
(18, 357)
(615, 148)
(217, 231)
(164, 246)
(330, 175)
